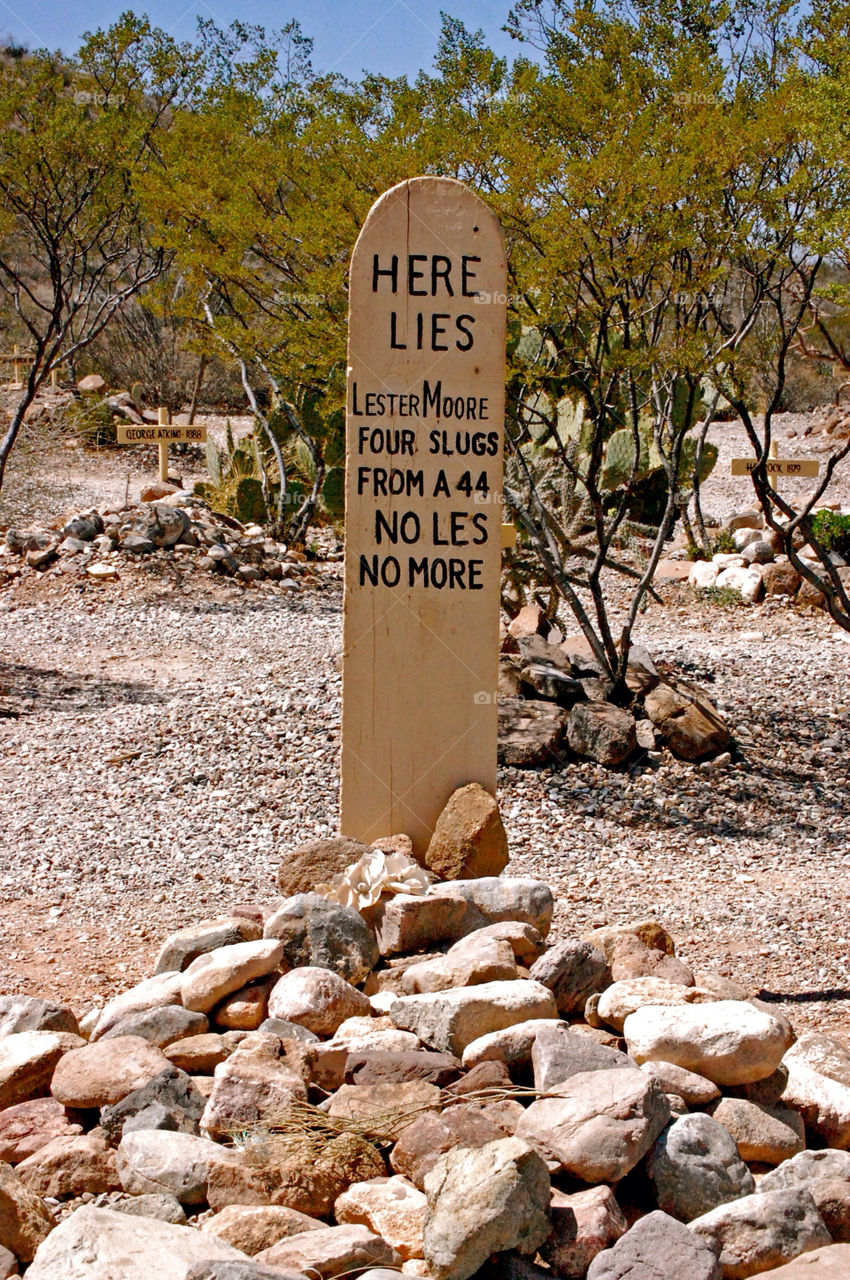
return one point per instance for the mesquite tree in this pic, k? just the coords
(77, 140)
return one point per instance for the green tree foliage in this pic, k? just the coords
(78, 138)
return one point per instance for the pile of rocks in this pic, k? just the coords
(553, 703)
(828, 420)
(424, 1087)
(758, 567)
(167, 523)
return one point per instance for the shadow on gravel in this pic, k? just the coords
(244, 603)
(32, 689)
(805, 997)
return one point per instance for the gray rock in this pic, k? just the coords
(84, 528)
(157, 1205)
(151, 1161)
(495, 898)
(758, 552)
(317, 932)
(558, 1053)
(178, 951)
(72, 546)
(599, 1126)
(137, 544)
(162, 525)
(545, 680)
(288, 1030)
(807, 1167)
(156, 1116)
(98, 1244)
(761, 1232)
(28, 1013)
(161, 1026)
(172, 1090)
(657, 1248)
(573, 971)
(254, 1271)
(694, 1167)
(483, 1201)
(531, 731)
(602, 732)
(450, 1020)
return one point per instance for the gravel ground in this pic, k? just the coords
(179, 734)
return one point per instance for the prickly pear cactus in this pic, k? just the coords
(333, 492)
(249, 502)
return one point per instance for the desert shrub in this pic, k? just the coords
(832, 531)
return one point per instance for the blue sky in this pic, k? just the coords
(387, 36)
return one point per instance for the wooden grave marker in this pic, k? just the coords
(776, 466)
(162, 434)
(424, 442)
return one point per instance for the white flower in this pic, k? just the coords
(361, 885)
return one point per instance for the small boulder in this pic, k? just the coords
(532, 731)
(430, 1135)
(622, 998)
(29, 1126)
(469, 963)
(599, 1126)
(408, 923)
(469, 839)
(728, 1041)
(601, 732)
(762, 1133)
(583, 1225)
(154, 1161)
(153, 993)
(689, 724)
(391, 1207)
(24, 1219)
(761, 1232)
(100, 1074)
(262, 1077)
(169, 1094)
(178, 951)
(657, 1247)
(28, 1013)
(317, 999)
(161, 1026)
(253, 1228)
(694, 1090)
(316, 932)
(27, 1062)
(492, 899)
(71, 1167)
(162, 525)
(450, 1020)
(330, 1252)
(694, 1167)
(99, 1244)
(217, 974)
(317, 863)
(573, 971)
(557, 1054)
(484, 1201)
